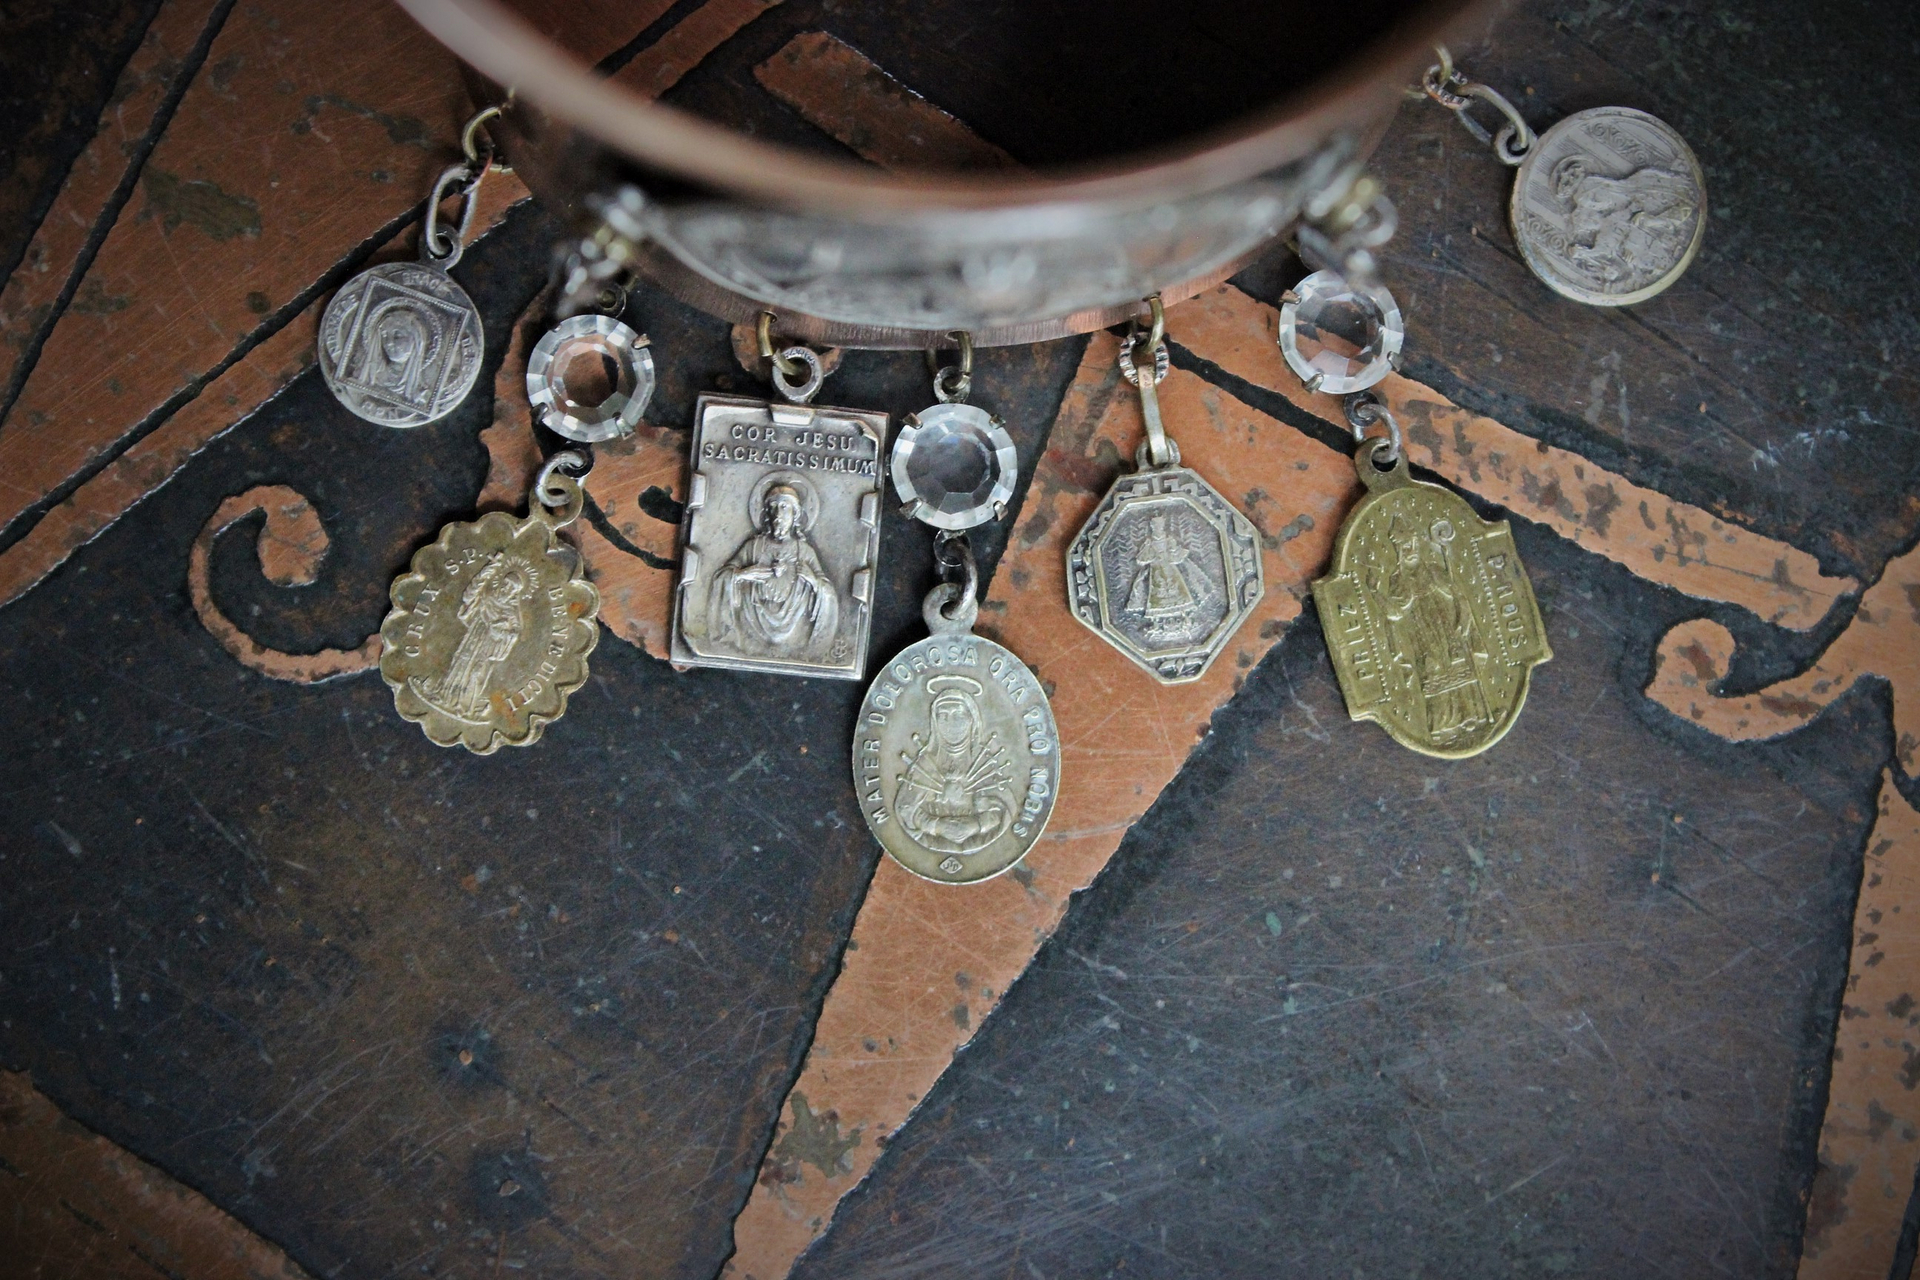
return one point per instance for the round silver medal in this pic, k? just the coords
(589, 379)
(1609, 206)
(954, 465)
(400, 344)
(956, 757)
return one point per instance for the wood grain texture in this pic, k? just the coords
(336, 151)
(1222, 1058)
(687, 43)
(846, 94)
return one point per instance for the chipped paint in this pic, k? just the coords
(1672, 543)
(292, 543)
(1882, 641)
(82, 1206)
(1870, 1140)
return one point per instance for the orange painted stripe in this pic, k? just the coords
(840, 91)
(1870, 1139)
(896, 1016)
(1672, 543)
(663, 64)
(59, 246)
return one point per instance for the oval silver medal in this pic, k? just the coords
(956, 756)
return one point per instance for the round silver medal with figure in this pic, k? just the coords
(956, 757)
(400, 344)
(1609, 206)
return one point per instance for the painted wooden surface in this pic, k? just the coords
(1321, 1007)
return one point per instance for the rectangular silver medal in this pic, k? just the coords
(781, 538)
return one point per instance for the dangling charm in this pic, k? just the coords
(401, 343)
(1340, 337)
(956, 757)
(1428, 613)
(1609, 205)
(782, 529)
(954, 463)
(491, 627)
(590, 377)
(1166, 569)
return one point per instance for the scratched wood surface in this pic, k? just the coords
(1331, 1009)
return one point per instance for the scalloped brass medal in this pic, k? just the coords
(1428, 614)
(491, 627)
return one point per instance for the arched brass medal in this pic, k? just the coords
(491, 627)
(1428, 614)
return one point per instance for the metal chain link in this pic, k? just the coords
(952, 383)
(1447, 86)
(441, 245)
(1364, 410)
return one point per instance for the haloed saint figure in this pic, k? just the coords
(1432, 630)
(773, 596)
(956, 794)
(492, 610)
(1624, 229)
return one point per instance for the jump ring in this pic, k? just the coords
(782, 360)
(440, 246)
(470, 135)
(557, 496)
(801, 361)
(1162, 361)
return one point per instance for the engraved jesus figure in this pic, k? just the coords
(955, 795)
(773, 593)
(491, 612)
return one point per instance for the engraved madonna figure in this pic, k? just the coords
(1627, 229)
(1166, 590)
(772, 596)
(1432, 630)
(955, 795)
(396, 352)
(492, 611)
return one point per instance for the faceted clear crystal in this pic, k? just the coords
(952, 465)
(1338, 336)
(589, 370)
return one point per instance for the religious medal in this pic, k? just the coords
(782, 529)
(401, 343)
(1428, 613)
(590, 377)
(492, 625)
(1166, 569)
(1609, 205)
(956, 757)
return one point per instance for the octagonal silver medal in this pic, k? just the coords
(1165, 571)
